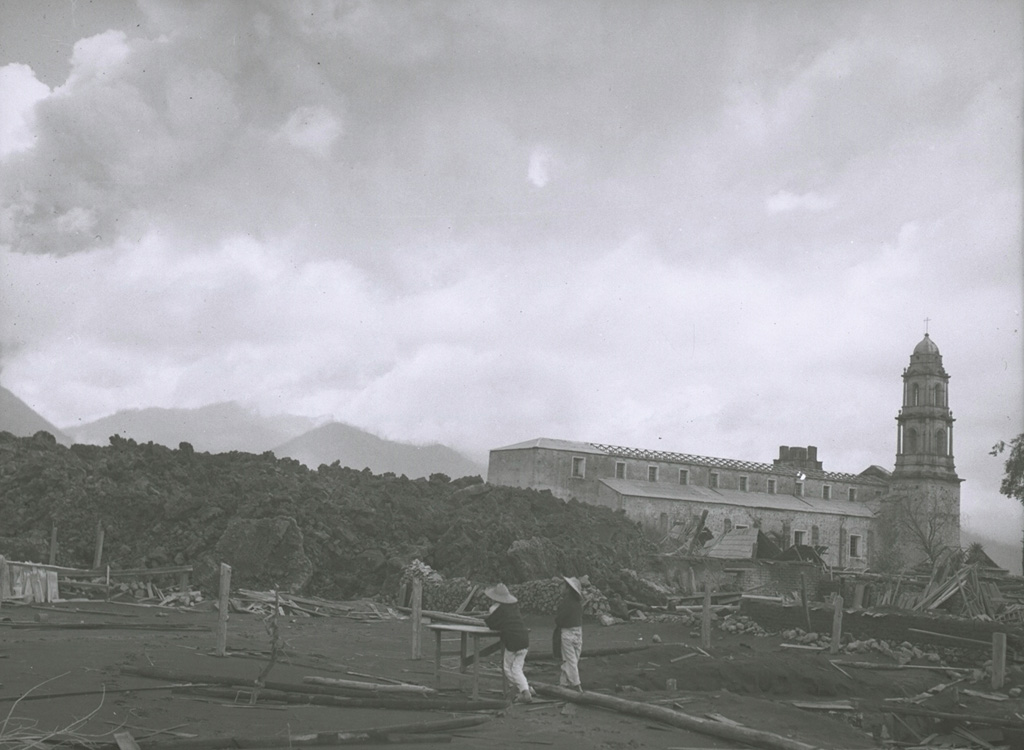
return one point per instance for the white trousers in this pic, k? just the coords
(513, 662)
(572, 645)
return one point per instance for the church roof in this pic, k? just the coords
(683, 458)
(738, 498)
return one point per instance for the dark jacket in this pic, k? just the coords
(570, 611)
(508, 621)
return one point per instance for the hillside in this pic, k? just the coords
(216, 428)
(359, 449)
(334, 531)
(18, 418)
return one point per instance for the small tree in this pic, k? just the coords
(1013, 477)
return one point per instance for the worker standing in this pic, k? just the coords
(505, 617)
(569, 633)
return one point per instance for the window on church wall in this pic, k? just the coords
(910, 441)
(915, 395)
(937, 395)
(684, 476)
(940, 442)
(743, 484)
(856, 550)
(800, 537)
(652, 473)
(852, 494)
(620, 469)
(771, 486)
(799, 490)
(713, 480)
(727, 525)
(579, 465)
(826, 492)
(815, 535)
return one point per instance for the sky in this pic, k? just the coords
(706, 227)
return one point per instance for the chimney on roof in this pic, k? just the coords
(805, 459)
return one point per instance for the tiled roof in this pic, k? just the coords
(694, 493)
(738, 544)
(687, 458)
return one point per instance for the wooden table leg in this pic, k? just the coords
(463, 642)
(437, 658)
(476, 665)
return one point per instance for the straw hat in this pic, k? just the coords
(575, 585)
(500, 593)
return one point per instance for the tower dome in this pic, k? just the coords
(927, 346)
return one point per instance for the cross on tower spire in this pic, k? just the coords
(926, 321)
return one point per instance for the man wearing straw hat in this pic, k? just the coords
(505, 617)
(568, 635)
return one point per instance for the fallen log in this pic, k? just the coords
(960, 718)
(874, 665)
(320, 688)
(372, 687)
(375, 735)
(338, 701)
(674, 718)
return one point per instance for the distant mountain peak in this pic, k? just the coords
(21, 420)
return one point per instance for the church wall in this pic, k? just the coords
(833, 530)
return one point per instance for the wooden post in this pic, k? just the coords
(417, 618)
(998, 660)
(183, 581)
(5, 579)
(53, 544)
(222, 613)
(837, 625)
(858, 596)
(705, 617)
(803, 601)
(108, 583)
(98, 557)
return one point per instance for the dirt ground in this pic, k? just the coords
(747, 679)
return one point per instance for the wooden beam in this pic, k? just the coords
(998, 660)
(53, 543)
(98, 553)
(705, 617)
(837, 624)
(417, 618)
(803, 601)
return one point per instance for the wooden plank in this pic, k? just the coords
(5, 579)
(804, 603)
(958, 638)
(125, 741)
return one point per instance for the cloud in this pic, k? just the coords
(785, 201)
(540, 167)
(312, 129)
(19, 92)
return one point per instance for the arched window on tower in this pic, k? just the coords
(937, 395)
(940, 442)
(915, 395)
(910, 440)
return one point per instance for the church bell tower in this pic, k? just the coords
(924, 440)
(921, 518)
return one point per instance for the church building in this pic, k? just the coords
(878, 518)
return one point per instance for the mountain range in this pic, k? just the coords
(224, 427)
